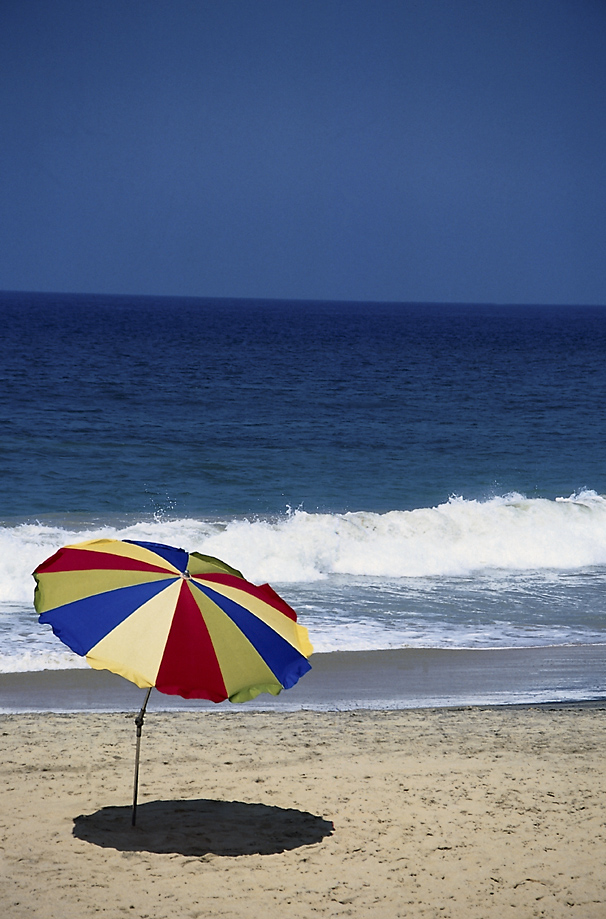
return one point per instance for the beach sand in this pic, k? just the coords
(453, 812)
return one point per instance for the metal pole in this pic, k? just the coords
(139, 723)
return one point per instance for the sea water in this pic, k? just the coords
(405, 475)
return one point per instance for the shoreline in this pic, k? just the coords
(406, 678)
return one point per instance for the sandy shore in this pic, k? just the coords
(400, 678)
(467, 813)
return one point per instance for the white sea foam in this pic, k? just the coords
(454, 539)
(509, 571)
(28, 660)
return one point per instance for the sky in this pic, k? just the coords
(395, 150)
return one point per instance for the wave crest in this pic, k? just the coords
(453, 539)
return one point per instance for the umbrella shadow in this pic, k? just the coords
(202, 827)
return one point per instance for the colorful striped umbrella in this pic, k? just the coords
(188, 624)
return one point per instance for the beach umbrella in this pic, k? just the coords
(186, 623)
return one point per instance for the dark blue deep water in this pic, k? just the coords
(131, 405)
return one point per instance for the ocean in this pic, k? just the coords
(405, 475)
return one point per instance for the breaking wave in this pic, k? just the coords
(458, 538)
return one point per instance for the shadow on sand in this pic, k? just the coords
(202, 827)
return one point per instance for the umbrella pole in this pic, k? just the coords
(139, 723)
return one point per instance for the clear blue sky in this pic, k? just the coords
(428, 150)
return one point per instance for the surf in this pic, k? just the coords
(458, 538)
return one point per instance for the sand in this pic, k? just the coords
(399, 678)
(452, 812)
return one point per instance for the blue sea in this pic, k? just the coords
(405, 475)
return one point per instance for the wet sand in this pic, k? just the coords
(466, 813)
(404, 678)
